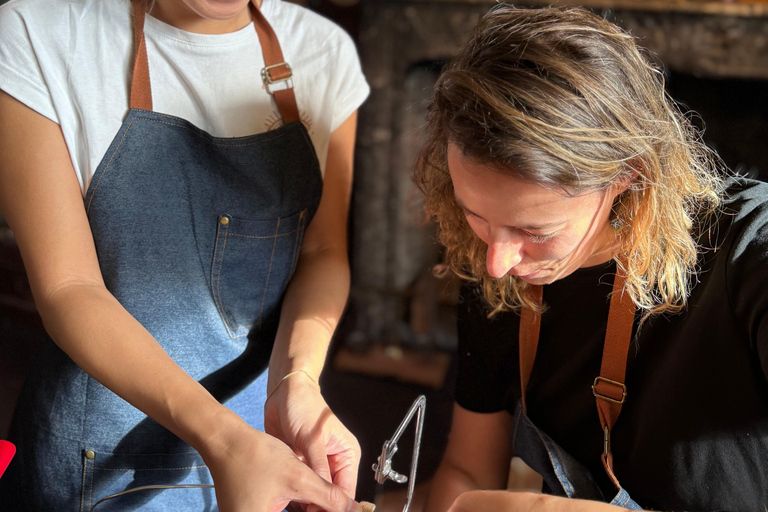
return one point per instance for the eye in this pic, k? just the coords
(540, 239)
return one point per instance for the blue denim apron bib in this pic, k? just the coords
(197, 237)
(563, 475)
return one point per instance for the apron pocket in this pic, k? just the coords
(159, 481)
(253, 260)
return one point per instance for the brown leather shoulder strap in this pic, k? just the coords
(276, 70)
(141, 90)
(609, 388)
(528, 340)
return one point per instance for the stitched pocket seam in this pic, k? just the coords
(218, 278)
(269, 272)
(150, 469)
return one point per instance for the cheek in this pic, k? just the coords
(478, 227)
(555, 249)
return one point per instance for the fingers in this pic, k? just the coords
(317, 458)
(344, 468)
(323, 494)
(505, 501)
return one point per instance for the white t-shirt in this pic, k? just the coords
(71, 61)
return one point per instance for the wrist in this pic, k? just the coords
(281, 365)
(295, 375)
(221, 433)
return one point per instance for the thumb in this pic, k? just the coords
(316, 458)
(327, 496)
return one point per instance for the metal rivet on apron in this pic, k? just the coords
(90, 454)
(223, 220)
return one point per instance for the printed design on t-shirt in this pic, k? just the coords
(275, 121)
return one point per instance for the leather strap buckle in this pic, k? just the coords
(269, 79)
(606, 441)
(606, 397)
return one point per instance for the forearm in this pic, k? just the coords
(477, 457)
(507, 501)
(448, 484)
(313, 304)
(91, 326)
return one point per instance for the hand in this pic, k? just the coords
(506, 501)
(254, 472)
(297, 414)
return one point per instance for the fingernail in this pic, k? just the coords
(367, 507)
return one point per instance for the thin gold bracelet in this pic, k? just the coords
(288, 375)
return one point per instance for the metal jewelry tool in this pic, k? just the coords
(384, 469)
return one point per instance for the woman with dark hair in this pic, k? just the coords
(613, 323)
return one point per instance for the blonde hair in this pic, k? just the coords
(564, 99)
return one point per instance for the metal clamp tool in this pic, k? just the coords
(384, 469)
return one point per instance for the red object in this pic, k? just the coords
(7, 451)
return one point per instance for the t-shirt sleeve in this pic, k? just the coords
(488, 369)
(351, 87)
(747, 271)
(23, 54)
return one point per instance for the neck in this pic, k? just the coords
(203, 17)
(605, 248)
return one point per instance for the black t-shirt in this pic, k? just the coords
(693, 433)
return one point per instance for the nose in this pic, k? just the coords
(502, 256)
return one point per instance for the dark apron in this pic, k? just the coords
(563, 475)
(197, 237)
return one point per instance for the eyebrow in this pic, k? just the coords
(524, 228)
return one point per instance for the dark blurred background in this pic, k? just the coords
(397, 338)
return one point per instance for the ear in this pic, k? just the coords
(632, 171)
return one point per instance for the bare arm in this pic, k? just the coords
(41, 200)
(504, 501)
(477, 457)
(313, 304)
(318, 291)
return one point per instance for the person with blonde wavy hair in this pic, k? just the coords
(613, 324)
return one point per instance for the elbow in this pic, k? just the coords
(52, 299)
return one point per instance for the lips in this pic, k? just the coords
(530, 275)
(525, 276)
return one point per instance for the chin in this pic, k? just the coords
(218, 10)
(539, 280)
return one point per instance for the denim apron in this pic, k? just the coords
(563, 475)
(197, 237)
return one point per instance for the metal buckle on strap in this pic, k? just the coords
(269, 80)
(606, 397)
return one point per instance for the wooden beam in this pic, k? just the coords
(756, 9)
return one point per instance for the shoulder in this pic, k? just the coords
(56, 26)
(737, 242)
(299, 27)
(42, 16)
(746, 198)
(745, 214)
(20, 19)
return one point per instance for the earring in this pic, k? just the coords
(617, 223)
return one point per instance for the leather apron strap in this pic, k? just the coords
(608, 388)
(530, 323)
(141, 91)
(277, 74)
